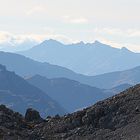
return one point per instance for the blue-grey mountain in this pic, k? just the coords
(24, 66)
(68, 93)
(85, 58)
(19, 95)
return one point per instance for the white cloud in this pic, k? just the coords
(7, 37)
(119, 38)
(36, 10)
(77, 20)
(118, 32)
(102, 34)
(16, 39)
(132, 47)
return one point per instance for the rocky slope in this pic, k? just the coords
(117, 89)
(116, 118)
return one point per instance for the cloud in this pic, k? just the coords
(7, 38)
(118, 32)
(78, 20)
(36, 9)
(133, 33)
(122, 38)
(119, 38)
(130, 46)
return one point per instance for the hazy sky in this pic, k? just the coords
(116, 22)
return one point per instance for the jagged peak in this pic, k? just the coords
(80, 43)
(52, 42)
(125, 49)
(97, 42)
(100, 44)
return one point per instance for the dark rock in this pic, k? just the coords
(116, 118)
(57, 116)
(137, 109)
(32, 115)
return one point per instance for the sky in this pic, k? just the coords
(114, 22)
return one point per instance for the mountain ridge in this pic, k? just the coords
(18, 94)
(67, 91)
(84, 58)
(24, 66)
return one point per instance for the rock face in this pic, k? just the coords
(32, 115)
(116, 118)
(12, 125)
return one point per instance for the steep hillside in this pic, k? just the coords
(116, 118)
(19, 95)
(69, 93)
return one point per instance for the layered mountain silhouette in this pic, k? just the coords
(51, 88)
(85, 58)
(110, 80)
(116, 118)
(69, 93)
(24, 66)
(19, 95)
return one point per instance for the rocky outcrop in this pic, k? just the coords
(116, 118)
(32, 115)
(12, 125)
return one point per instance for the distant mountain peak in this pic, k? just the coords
(98, 43)
(80, 43)
(51, 42)
(85, 58)
(124, 49)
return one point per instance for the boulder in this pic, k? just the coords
(32, 115)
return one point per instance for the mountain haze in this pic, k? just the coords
(68, 93)
(24, 66)
(19, 95)
(84, 58)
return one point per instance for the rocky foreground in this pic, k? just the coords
(116, 118)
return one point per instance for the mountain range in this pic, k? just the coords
(54, 90)
(68, 93)
(116, 118)
(84, 58)
(24, 66)
(19, 95)
(62, 86)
